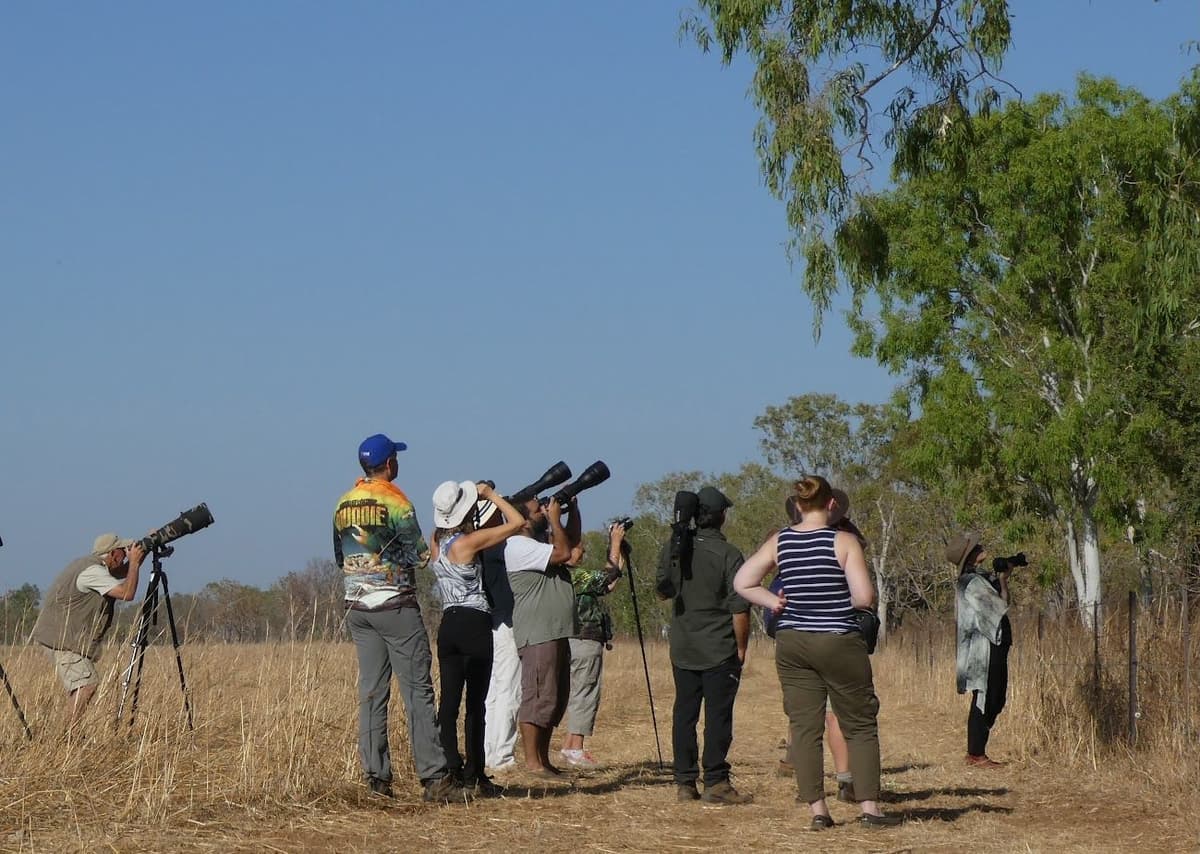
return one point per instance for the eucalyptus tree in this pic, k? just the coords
(1018, 278)
(826, 69)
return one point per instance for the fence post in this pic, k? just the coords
(1133, 666)
(1187, 656)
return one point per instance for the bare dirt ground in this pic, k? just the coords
(226, 789)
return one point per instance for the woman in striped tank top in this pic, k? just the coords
(819, 652)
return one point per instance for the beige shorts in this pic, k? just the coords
(74, 671)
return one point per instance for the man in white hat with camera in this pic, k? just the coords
(78, 613)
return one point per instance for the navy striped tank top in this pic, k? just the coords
(818, 597)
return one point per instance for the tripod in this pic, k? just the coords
(12, 695)
(637, 619)
(141, 638)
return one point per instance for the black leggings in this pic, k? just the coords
(979, 724)
(464, 648)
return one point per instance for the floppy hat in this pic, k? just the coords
(378, 449)
(960, 548)
(452, 501)
(106, 543)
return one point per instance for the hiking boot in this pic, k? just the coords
(982, 761)
(880, 821)
(821, 822)
(723, 793)
(485, 787)
(379, 787)
(685, 792)
(846, 792)
(443, 790)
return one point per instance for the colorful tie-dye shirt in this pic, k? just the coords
(377, 542)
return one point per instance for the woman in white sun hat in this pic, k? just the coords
(464, 642)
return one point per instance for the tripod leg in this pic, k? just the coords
(187, 702)
(137, 658)
(637, 619)
(12, 695)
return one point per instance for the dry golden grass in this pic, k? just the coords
(272, 766)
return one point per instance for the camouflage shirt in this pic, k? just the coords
(590, 585)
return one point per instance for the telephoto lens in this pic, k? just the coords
(187, 522)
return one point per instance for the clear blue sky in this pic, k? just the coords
(237, 238)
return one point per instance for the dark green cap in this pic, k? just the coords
(713, 498)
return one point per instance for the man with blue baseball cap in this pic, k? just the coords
(378, 545)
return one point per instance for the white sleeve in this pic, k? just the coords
(525, 553)
(96, 579)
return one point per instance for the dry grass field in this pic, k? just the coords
(272, 766)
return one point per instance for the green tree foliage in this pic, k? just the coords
(825, 69)
(19, 611)
(1021, 285)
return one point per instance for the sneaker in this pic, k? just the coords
(723, 793)
(686, 792)
(380, 787)
(821, 822)
(879, 821)
(444, 790)
(846, 792)
(982, 761)
(579, 759)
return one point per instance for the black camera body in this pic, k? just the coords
(680, 551)
(625, 522)
(1007, 564)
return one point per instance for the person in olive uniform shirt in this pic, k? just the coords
(710, 628)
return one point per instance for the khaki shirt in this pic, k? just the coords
(702, 624)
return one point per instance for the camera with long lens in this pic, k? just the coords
(555, 475)
(680, 552)
(593, 475)
(1007, 564)
(187, 522)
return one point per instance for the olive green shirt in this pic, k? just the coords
(702, 625)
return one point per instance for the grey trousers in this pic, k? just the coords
(587, 662)
(395, 642)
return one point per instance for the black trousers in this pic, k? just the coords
(979, 723)
(717, 688)
(464, 648)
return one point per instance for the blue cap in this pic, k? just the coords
(377, 450)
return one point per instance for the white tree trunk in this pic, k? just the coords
(879, 557)
(1075, 562)
(1090, 599)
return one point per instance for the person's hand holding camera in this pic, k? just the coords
(137, 553)
(485, 490)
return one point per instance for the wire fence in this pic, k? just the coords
(1126, 665)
